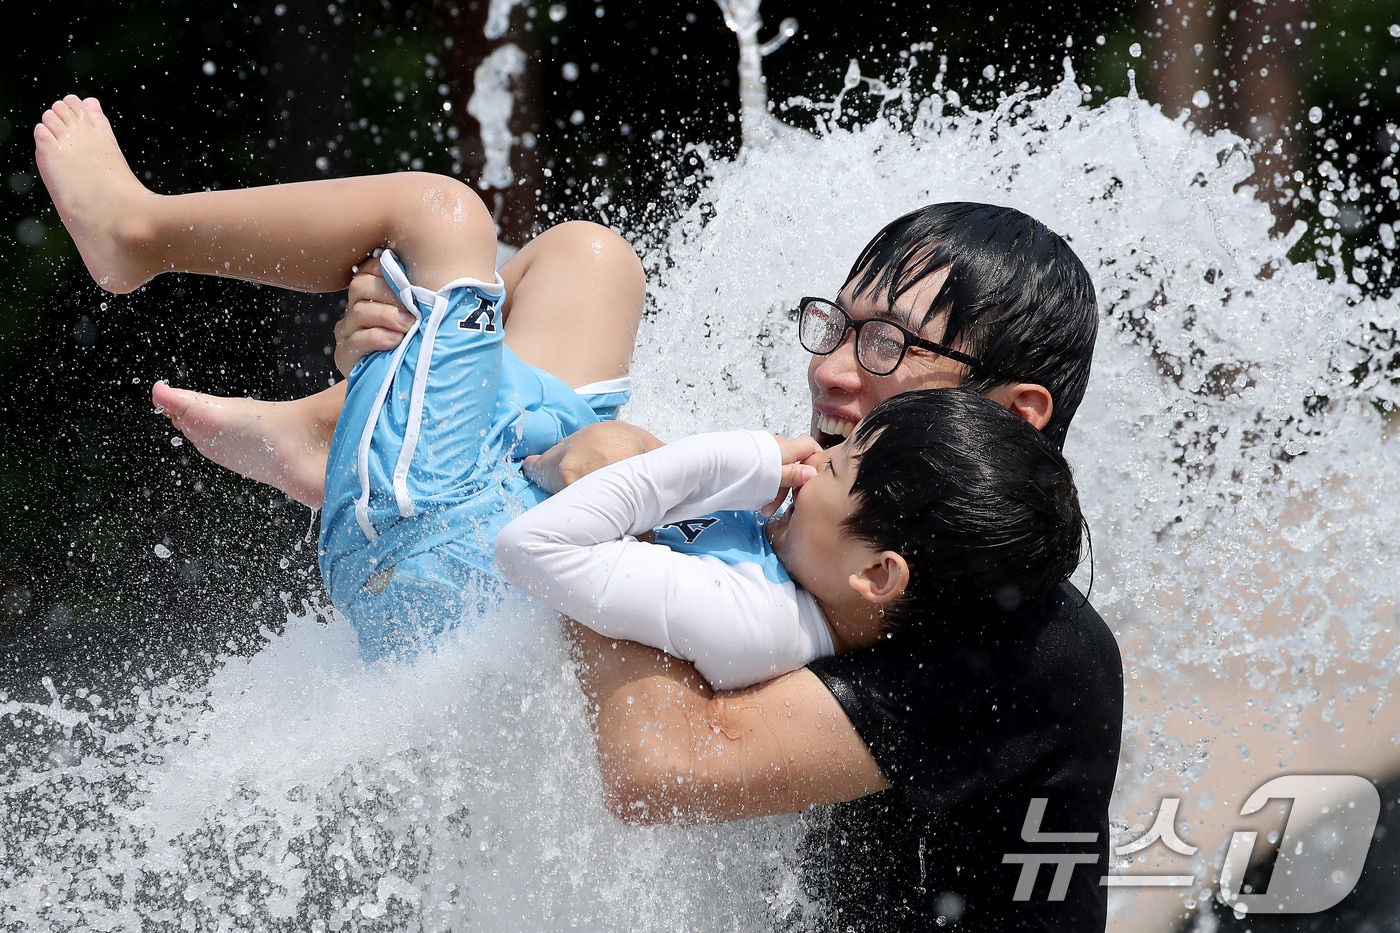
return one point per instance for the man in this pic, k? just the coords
(971, 774)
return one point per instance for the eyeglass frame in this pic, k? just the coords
(911, 339)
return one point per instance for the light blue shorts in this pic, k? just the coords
(424, 465)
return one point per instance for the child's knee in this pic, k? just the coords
(441, 229)
(599, 247)
(445, 206)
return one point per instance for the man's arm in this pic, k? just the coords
(672, 750)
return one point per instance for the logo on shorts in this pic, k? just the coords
(481, 318)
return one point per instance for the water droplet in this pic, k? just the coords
(284, 563)
(1315, 115)
(990, 72)
(160, 409)
(557, 12)
(569, 70)
(1395, 30)
(162, 551)
(323, 164)
(1201, 98)
(210, 68)
(29, 231)
(576, 117)
(177, 441)
(1135, 50)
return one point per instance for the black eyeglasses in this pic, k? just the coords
(880, 344)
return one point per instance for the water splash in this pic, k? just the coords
(299, 790)
(491, 104)
(742, 18)
(1228, 366)
(498, 17)
(1236, 450)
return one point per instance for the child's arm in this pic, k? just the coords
(577, 552)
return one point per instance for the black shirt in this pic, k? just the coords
(969, 730)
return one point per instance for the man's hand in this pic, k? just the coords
(374, 320)
(590, 448)
(796, 472)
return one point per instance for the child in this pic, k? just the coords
(424, 463)
(940, 498)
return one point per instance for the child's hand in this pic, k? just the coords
(374, 320)
(590, 448)
(796, 472)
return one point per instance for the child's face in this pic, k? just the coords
(810, 537)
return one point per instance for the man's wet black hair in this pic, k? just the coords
(979, 503)
(1016, 296)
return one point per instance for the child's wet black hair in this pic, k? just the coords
(978, 502)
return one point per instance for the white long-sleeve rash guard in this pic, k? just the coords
(710, 591)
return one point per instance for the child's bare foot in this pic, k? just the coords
(98, 198)
(282, 444)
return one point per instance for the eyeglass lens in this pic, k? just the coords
(879, 344)
(821, 327)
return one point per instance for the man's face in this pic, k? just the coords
(843, 392)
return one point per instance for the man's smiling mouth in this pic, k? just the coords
(832, 431)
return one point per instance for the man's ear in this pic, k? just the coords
(1032, 402)
(882, 581)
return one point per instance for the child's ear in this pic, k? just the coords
(883, 581)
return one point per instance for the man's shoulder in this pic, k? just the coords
(969, 730)
(1065, 630)
(1052, 671)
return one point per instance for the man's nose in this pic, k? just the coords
(839, 369)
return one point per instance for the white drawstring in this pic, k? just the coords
(409, 295)
(398, 281)
(415, 407)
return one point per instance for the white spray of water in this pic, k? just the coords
(491, 104)
(742, 18)
(1232, 458)
(498, 17)
(302, 790)
(1234, 454)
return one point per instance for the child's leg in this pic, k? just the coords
(305, 236)
(282, 444)
(574, 299)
